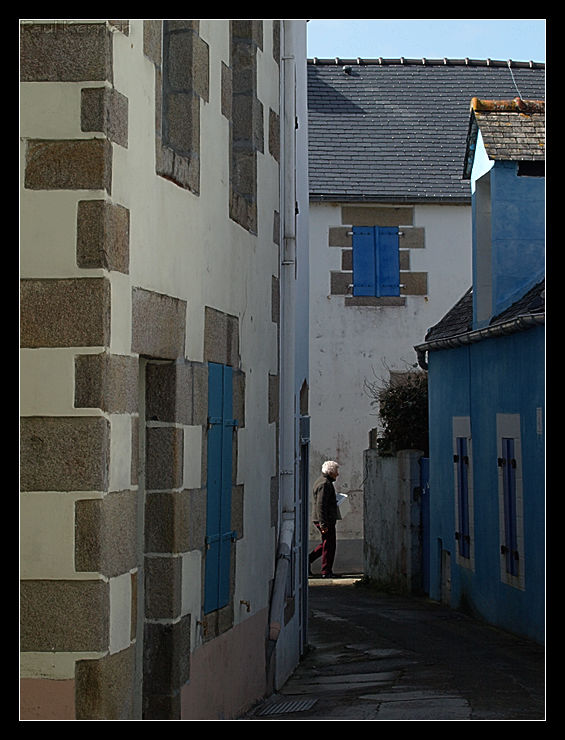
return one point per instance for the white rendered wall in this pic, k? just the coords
(349, 346)
(181, 245)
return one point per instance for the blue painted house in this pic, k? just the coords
(486, 370)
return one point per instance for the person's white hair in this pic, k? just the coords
(330, 466)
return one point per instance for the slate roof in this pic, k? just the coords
(513, 130)
(459, 319)
(395, 130)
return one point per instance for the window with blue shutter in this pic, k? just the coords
(219, 534)
(509, 548)
(462, 535)
(376, 262)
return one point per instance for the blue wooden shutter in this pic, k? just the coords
(364, 265)
(376, 262)
(510, 545)
(388, 261)
(462, 464)
(226, 533)
(219, 481)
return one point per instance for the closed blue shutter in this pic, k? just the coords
(462, 463)
(364, 264)
(388, 262)
(376, 262)
(510, 546)
(226, 533)
(219, 481)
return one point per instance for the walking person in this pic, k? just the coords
(325, 517)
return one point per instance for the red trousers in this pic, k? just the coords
(325, 550)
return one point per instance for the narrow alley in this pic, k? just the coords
(378, 656)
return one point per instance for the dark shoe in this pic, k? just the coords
(330, 575)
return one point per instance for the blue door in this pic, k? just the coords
(219, 534)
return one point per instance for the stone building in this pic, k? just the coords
(164, 365)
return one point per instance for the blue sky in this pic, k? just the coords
(435, 38)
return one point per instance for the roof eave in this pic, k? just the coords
(512, 326)
(364, 198)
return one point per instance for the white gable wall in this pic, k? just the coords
(352, 345)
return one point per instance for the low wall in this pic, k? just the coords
(228, 674)
(392, 520)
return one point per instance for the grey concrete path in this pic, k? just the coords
(376, 656)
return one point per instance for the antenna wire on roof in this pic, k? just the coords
(514, 80)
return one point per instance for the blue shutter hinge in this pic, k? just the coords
(224, 422)
(210, 539)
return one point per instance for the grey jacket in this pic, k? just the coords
(325, 504)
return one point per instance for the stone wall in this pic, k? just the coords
(150, 249)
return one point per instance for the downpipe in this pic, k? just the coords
(287, 340)
(284, 555)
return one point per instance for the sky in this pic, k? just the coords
(520, 39)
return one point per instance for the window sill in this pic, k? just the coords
(373, 301)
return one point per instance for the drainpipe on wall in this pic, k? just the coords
(287, 457)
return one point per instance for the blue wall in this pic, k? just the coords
(518, 233)
(495, 375)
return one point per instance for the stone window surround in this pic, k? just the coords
(178, 92)
(410, 237)
(239, 104)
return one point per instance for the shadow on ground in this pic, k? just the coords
(379, 656)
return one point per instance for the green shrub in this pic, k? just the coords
(402, 407)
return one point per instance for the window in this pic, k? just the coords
(184, 83)
(534, 168)
(462, 534)
(376, 262)
(509, 548)
(219, 534)
(246, 117)
(463, 487)
(510, 500)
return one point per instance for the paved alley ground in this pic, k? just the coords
(377, 656)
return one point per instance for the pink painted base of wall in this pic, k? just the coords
(45, 699)
(228, 674)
